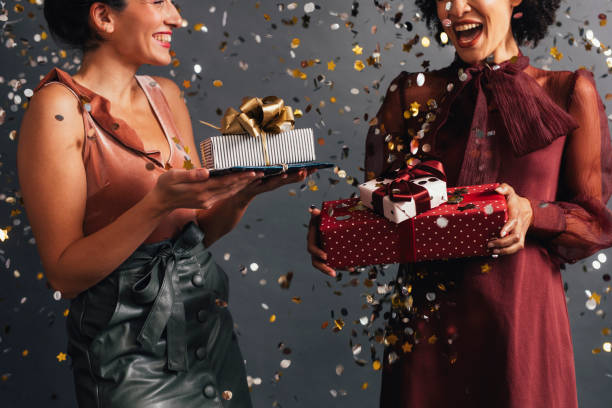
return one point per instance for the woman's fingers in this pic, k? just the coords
(323, 267)
(509, 226)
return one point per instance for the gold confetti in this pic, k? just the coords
(331, 65)
(596, 297)
(332, 99)
(376, 365)
(407, 347)
(339, 324)
(217, 83)
(433, 339)
(414, 108)
(66, 312)
(485, 268)
(4, 234)
(392, 339)
(606, 331)
(188, 165)
(39, 275)
(296, 299)
(324, 325)
(186, 84)
(556, 54)
(61, 357)
(364, 386)
(596, 350)
(295, 43)
(25, 353)
(359, 65)
(425, 42)
(272, 318)
(357, 49)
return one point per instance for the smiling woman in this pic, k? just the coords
(494, 331)
(148, 324)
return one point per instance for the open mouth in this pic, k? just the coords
(163, 39)
(467, 34)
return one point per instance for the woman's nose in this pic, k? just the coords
(173, 17)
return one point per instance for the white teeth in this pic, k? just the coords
(163, 37)
(465, 27)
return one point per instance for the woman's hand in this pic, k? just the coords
(520, 217)
(194, 188)
(318, 256)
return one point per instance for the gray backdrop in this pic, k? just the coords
(252, 55)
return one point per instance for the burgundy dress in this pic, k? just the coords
(497, 333)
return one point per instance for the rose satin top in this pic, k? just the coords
(120, 172)
(497, 333)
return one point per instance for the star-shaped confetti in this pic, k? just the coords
(61, 357)
(407, 347)
(357, 49)
(485, 268)
(359, 65)
(331, 65)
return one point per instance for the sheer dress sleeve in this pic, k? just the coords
(579, 223)
(389, 121)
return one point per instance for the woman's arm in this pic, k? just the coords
(579, 224)
(54, 188)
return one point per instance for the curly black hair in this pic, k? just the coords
(68, 22)
(529, 29)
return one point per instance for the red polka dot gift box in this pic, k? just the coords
(354, 235)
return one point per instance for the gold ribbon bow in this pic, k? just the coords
(255, 117)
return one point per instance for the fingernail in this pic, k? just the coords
(490, 245)
(496, 251)
(503, 234)
(324, 257)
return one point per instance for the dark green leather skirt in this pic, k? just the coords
(157, 333)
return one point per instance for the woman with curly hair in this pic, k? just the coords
(123, 215)
(494, 332)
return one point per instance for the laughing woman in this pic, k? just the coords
(497, 334)
(121, 227)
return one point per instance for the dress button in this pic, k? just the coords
(209, 391)
(197, 280)
(202, 315)
(200, 353)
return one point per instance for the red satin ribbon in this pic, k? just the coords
(401, 189)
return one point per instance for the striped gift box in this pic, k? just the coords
(293, 146)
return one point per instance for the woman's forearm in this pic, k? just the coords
(223, 217)
(90, 259)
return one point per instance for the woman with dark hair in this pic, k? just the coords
(494, 332)
(123, 213)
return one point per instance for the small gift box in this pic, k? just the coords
(354, 235)
(260, 134)
(411, 191)
(293, 146)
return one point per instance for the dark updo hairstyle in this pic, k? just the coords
(529, 29)
(68, 21)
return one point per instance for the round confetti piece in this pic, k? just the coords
(226, 395)
(602, 257)
(254, 267)
(217, 83)
(272, 318)
(420, 80)
(442, 222)
(339, 369)
(57, 295)
(591, 304)
(376, 365)
(285, 363)
(607, 347)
